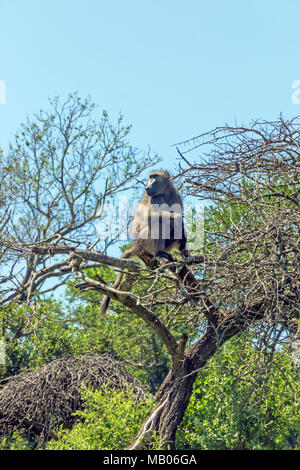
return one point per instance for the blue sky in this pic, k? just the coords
(173, 68)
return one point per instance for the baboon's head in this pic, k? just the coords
(159, 182)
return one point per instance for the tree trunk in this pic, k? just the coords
(174, 395)
(177, 389)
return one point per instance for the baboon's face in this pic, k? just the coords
(157, 183)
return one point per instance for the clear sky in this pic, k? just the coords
(173, 68)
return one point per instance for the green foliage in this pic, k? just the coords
(243, 399)
(109, 420)
(34, 335)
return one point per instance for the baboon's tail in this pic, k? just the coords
(104, 306)
(106, 299)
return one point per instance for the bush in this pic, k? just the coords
(109, 421)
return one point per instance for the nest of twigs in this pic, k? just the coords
(40, 400)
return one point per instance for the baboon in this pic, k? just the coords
(157, 226)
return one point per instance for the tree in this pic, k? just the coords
(246, 276)
(121, 414)
(245, 398)
(56, 177)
